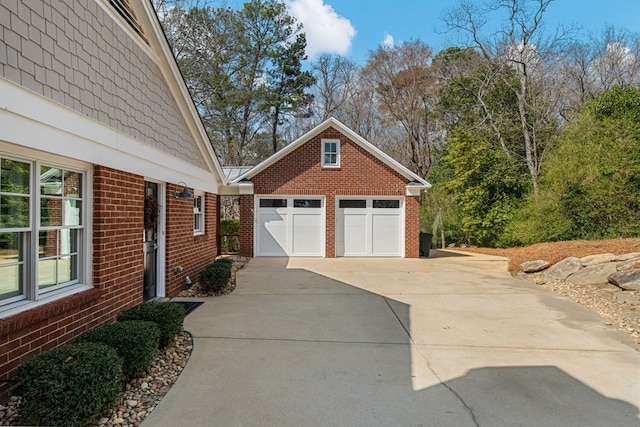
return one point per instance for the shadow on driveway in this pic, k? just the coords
(396, 343)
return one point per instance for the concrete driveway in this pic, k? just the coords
(451, 340)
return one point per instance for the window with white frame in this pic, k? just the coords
(198, 213)
(330, 153)
(41, 228)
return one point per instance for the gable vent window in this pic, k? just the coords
(124, 9)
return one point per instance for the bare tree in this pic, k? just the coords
(522, 44)
(335, 76)
(404, 87)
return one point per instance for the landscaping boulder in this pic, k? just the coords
(627, 257)
(564, 268)
(632, 264)
(593, 274)
(627, 280)
(597, 259)
(534, 266)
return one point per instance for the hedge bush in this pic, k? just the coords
(69, 385)
(169, 317)
(216, 275)
(136, 341)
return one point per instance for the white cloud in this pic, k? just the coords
(327, 32)
(388, 41)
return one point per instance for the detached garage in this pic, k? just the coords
(330, 193)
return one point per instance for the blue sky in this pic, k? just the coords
(354, 27)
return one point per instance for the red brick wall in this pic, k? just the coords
(117, 276)
(118, 267)
(184, 249)
(246, 225)
(360, 173)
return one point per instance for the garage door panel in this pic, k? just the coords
(290, 227)
(355, 234)
(273, 233)
(308, 234)
(370, 226)
(385, 234)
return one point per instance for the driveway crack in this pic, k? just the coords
(435, 374)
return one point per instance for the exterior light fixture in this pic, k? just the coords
(184, 194)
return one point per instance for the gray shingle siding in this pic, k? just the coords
(74, 53)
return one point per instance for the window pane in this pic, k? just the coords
(273, 203)
(10, 281)
(307, 203)
(72, 184)
(14, 177)
(68, 268)
(50, 211)
(69, 241)
(10, 248)
(14, 211)
(330, 159)
(47, 273)
(72, 212)
(386, 204)
(330, 147)
(197, 204)
(50, 181)
(359, 204)
(48, 244)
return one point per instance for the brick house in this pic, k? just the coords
(99, 139)
(330, 193)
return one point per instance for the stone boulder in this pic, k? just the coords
(564, 268)
(597, 274)
(534, 266)
(597, 259)
(627, 280)
(633, 263)
(629, 256)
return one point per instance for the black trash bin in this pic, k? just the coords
(425, 243)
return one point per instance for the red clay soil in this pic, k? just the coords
(556, 251)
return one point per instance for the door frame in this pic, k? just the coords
(161, 251)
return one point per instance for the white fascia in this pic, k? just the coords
(30, 120)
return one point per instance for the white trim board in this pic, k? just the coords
(32, 121)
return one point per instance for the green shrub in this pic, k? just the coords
(70, 385)
(136, 341)
(215, 276)
(169, 317)
(229, 227)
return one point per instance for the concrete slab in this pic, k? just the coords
(337, 318)
(286, 383)
(448, 340)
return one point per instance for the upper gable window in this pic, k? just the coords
(330, 153)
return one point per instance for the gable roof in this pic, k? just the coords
(415, 180)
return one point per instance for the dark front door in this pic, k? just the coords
(151, 216)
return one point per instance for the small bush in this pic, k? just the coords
(136, 341)
(215, 276)
(229, 226)
(169, 317)
(70, 385)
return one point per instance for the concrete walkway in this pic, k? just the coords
(451, 340)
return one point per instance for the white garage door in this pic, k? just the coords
(370, 227)
(290, 226)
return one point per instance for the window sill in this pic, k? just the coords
(331, 167)
(27, 313)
